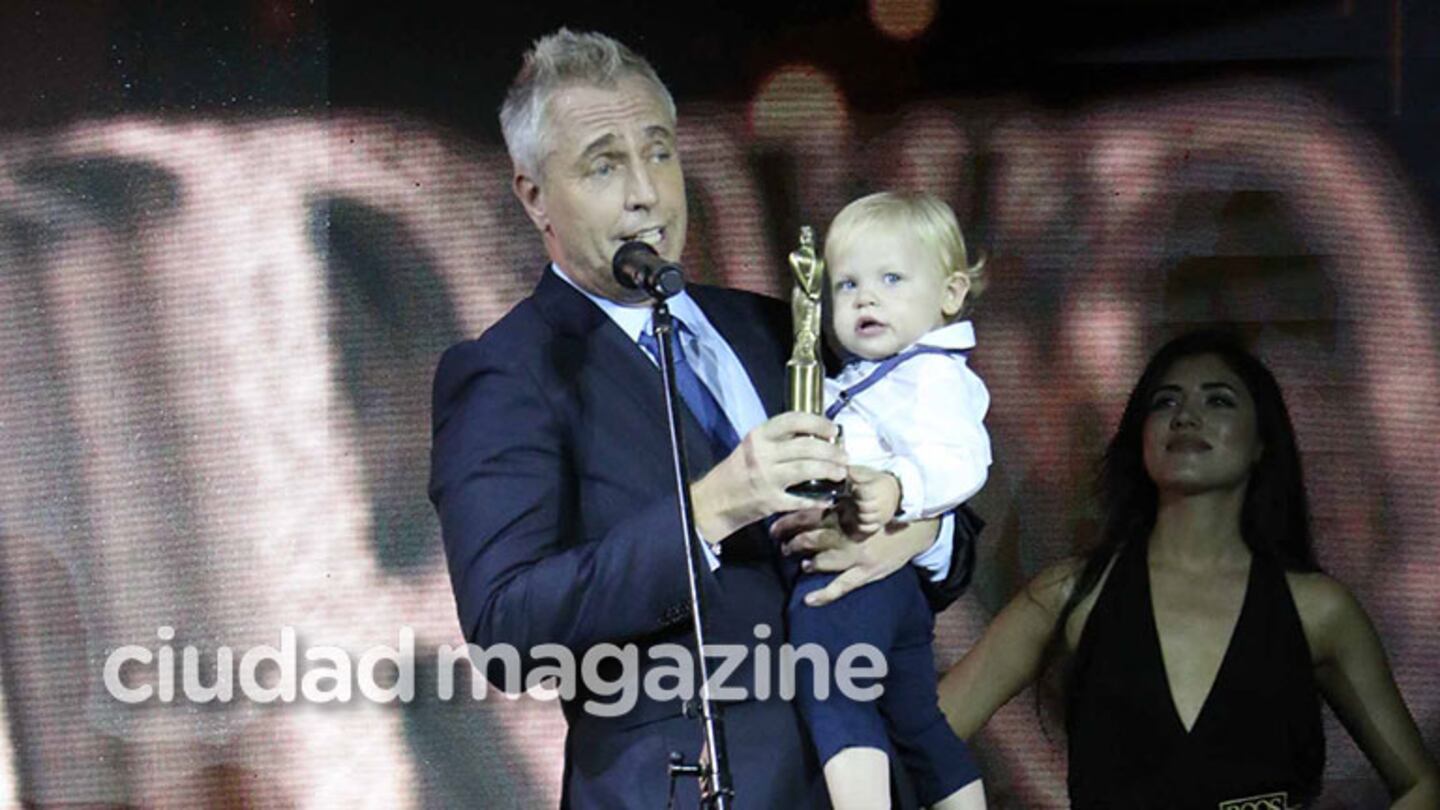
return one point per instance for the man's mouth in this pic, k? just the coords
(1187, 444)
(650, 236)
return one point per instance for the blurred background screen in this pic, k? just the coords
(235, 237)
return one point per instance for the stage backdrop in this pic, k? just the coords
(217, 335)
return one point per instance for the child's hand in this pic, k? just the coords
(877, 498)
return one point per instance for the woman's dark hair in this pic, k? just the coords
(1275, 517)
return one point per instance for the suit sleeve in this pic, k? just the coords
(504, 487)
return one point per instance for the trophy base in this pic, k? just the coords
(820, 489)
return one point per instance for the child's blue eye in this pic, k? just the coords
(845, 286)
(892, 278)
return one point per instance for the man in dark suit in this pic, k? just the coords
(550, 467)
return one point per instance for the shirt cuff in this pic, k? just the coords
(712, 554)
(935, 560)
(912, 488)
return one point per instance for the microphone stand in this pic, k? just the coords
(716, 790)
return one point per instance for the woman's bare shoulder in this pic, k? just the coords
(1319, 596)
(1053, 587)
(1328, 610)
(1054, 584)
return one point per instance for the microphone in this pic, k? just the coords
(638, 267)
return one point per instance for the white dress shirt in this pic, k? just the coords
(722, 372)
(923, 421)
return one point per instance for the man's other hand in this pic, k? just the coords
(817, 532)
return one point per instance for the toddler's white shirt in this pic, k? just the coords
(923, 421)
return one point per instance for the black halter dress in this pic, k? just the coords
(1258, 742)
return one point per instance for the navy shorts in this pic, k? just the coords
(893, 616)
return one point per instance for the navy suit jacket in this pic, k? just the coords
(551, 475)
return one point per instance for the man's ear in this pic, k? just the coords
(532, 198)
(952, 299)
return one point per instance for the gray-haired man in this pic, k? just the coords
(550, 466)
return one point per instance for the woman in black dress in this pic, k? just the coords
(1200, 635)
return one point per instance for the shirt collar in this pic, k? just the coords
(958, 335)
(635, 320)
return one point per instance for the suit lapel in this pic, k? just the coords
(621, 369)
(747, 334)
(758, 342)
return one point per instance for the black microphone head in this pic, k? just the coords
(637, 266)
(625, 258)
(668, 280)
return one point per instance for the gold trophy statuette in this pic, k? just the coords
(804, 373)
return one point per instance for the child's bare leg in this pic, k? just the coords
(859, 778)
(970, 797)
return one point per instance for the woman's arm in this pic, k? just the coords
(1355, 678)
(1008, 657)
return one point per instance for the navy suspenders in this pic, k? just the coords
(885, 367)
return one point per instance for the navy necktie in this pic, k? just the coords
(698, 398)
